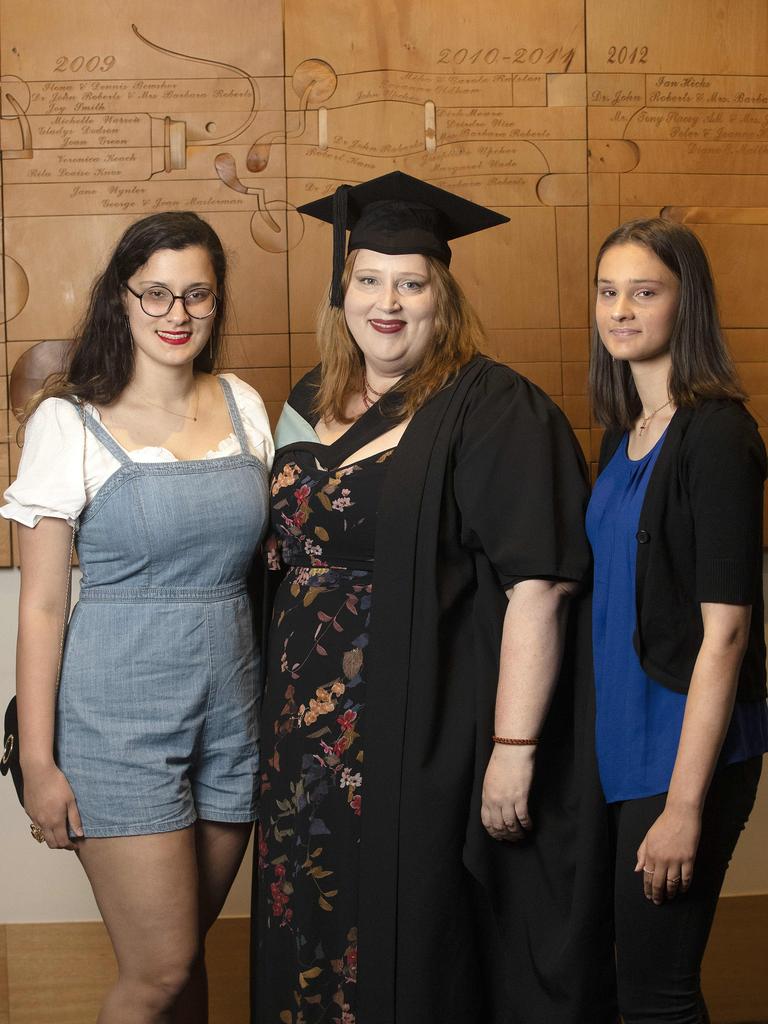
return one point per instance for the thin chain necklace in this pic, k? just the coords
(647, 419)
(366, 388)
(173, 412)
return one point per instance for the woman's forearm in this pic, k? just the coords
(37, 659)
(42, 606)
(531, 652)
(709, 705)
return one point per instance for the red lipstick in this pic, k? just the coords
(174, 337)
(387, 326)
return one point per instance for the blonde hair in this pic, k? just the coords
(458, 336)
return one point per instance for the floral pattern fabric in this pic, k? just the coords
(312, 739)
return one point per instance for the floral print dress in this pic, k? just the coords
(313, 737)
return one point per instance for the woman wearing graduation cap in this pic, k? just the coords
(430, 834)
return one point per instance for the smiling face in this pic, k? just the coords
(175, 338)
(637, 302)
(389, 307)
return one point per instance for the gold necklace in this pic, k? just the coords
(650, 416)
(173, 412)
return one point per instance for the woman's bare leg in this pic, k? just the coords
(147, 891)
(220, 848)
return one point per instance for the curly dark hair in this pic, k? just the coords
(101, 362)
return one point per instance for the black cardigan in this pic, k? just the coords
(700, 540)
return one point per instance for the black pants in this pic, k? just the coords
(659, 949)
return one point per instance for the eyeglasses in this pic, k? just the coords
(200, 303)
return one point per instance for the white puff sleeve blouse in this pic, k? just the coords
(63, 465)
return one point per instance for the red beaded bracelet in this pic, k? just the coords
(515, 743)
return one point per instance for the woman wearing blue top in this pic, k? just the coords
(675, 526)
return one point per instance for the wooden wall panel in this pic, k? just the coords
(57, 973)
(734, 979)
(4, 1009)
(71, 988)
(108, 115)
(570, 116)
(678, 124)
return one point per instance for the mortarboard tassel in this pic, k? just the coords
(339, 243)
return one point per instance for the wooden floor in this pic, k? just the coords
(56, 973)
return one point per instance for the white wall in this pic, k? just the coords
(38, 884)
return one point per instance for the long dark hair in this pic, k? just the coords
(101, 362)
(701, 364)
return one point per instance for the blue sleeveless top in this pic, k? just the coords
(638, 720)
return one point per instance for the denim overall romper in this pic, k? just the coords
(156, 718)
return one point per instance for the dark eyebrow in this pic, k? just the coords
(632, 280)
(162, 284)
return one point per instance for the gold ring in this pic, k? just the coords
(37, 833)
(674, 881)
(647, 872)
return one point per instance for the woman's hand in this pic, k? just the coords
(50, 803)
(506, 786)
(667, 853)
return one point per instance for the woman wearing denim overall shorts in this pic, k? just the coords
(151, 769)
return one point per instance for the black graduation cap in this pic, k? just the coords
(397, 214)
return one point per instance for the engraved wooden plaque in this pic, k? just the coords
(568, 116)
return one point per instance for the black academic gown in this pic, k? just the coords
(487, 487)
